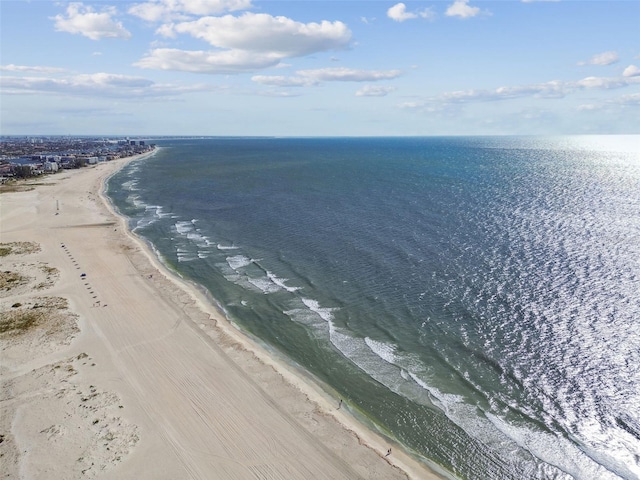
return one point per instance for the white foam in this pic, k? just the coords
(325, 313)
(130, 185)
(185, 255)
(306, 317)
(264, 284)
(183, 227)
(145, 222)
(238, 261)
(380, 369)
(384, 350)
(228, 273)
(466, 416)
(226, 247)
(197, 238)
(135, 201)
(160, 212)
(280, 282)
(554, 450)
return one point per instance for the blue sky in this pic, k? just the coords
(306, 67)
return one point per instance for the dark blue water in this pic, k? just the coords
(477, 299)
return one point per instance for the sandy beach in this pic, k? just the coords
(114, 368)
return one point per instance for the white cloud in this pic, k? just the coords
(265, 33)
(166, 30)
(551, 89)
(342, 74)
(95, 85)
(30, 69)
(605, 58)
(85, 21)
(629, 100)
(248, 43)
(374, 91)
(306, 78)
(631, 71)
(602, 83)
(157, 10)
(399, 13)
(460, 8)
(213, 62)
(588, 107)
(277, 93)
(283, 81)
(110, 79)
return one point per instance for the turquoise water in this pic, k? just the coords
(476, 298)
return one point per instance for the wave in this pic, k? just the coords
(183, 227)
(226, 247)
(280, 282)
(238, 261)
(489, 428)
(555, 450)
(264, 285)
(323, 312)
(131, 185)
(184, 255)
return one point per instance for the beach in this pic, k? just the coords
(131, 372)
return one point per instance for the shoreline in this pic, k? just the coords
(225, 389)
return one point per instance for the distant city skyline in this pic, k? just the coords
(326, 68)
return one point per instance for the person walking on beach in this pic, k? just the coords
(388, 453)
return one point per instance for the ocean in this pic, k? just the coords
(476, 299)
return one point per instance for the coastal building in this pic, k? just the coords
(50, 166)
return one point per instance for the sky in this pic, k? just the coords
(319, 68)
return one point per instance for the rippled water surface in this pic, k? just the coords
(477, 299)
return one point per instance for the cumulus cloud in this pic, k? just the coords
(305, 78)
(85, 21)
(399, 13)
(30, 69)
(164, 10)
(265, 33)
(245, 43)
(374, 91)
(461, 8)
(605, 58)
(95, 85)
(631, 71)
